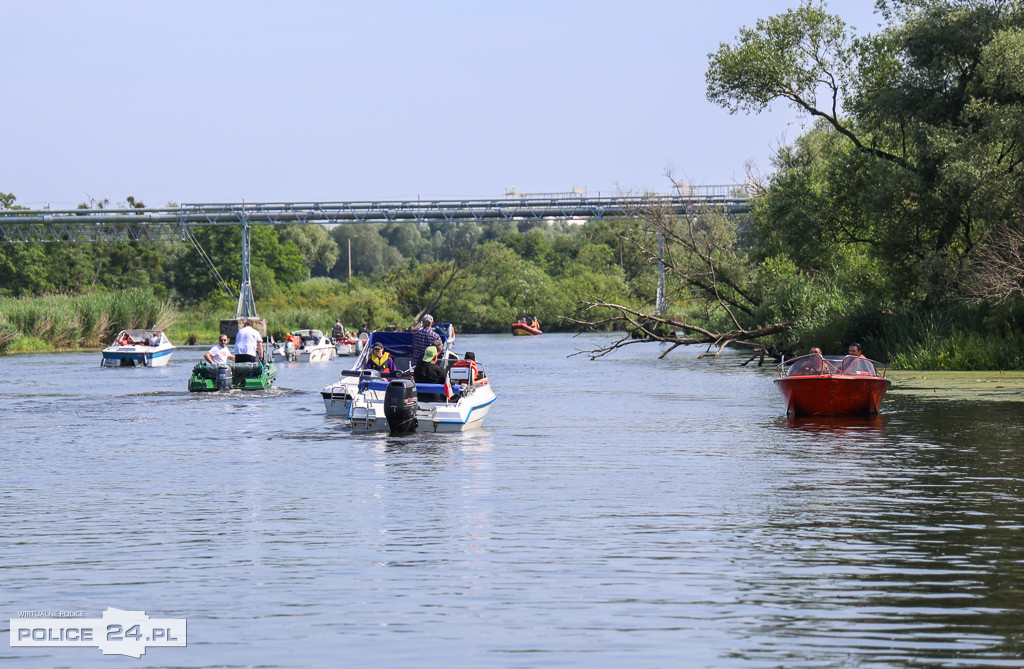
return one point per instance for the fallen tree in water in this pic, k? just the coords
(702, 263)
(644, 328)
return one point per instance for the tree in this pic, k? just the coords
(371, 254)
(318, 249)
(270, 262)
(932, 161)
(707, 265)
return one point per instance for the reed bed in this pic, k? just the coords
(82, 321)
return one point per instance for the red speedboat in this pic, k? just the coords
(816, 385)
(521, 328)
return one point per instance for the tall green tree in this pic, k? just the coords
(931, 164)
(318, 249)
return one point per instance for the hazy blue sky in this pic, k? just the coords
(228, 100)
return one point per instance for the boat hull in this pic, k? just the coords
(318, 353)
(347, 347)
(366, 412)
(832, 395)
(136, 356)
(338, 398)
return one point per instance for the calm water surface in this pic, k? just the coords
(619, 512)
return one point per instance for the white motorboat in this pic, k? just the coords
(315, 348)
(403, 406)
(339, 395)
(347, 346)
(138, 348)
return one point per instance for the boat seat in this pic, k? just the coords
(461, 374)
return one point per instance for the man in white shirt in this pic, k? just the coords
(248, 344)
(220, 353)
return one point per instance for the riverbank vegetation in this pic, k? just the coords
(895, 219)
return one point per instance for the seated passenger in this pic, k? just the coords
(858, 365)
(380, 360)
(477, 370)
(220, 353)
(428, 371)
(811, 365)
(125, 340)
(154, 340)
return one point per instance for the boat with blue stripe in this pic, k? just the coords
(138, 348)
(361, 395)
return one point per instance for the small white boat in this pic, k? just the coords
(347, 346)
(322, 351)
(138, 348)
(315, 348)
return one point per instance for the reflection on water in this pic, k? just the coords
(621, 511)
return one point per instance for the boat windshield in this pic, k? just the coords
(811, 365)
(853, 364)
(817, 365)
(140, 338)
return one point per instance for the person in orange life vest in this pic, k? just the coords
(380, 360)
(469, 360)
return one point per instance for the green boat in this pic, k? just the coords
(241, 375)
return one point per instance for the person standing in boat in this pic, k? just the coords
(338, 331)
(248, 344)
(425, 337)
(220, 353)
(381, 360)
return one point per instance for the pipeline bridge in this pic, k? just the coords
(172, 223)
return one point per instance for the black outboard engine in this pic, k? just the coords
(400, 404)
(224, 377)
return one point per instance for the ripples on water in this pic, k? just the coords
(612, 512)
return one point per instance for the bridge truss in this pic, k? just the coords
(173, 223)
(169, 223)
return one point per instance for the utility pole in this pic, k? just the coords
(660, 306)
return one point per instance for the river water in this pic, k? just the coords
(619, 512)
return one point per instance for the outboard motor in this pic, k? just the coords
(289, 351)
(224, 377)
(400, 404)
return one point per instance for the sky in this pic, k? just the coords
(231, 100)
